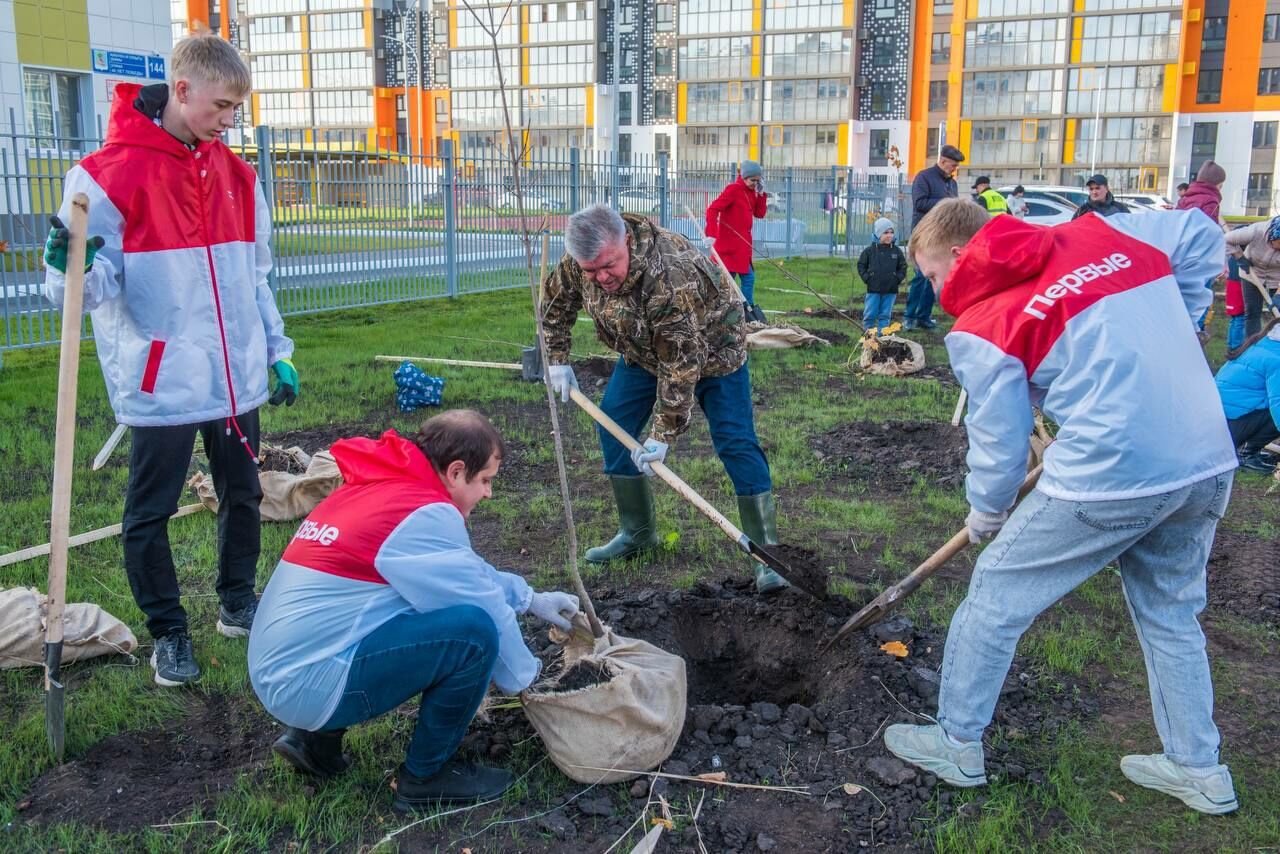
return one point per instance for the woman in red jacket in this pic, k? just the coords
(729, 224)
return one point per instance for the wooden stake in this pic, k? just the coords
(466, 363)
(83, 539)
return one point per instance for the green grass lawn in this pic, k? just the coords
(799, 393)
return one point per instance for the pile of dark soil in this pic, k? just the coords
(138, 779)
(593, 373)
(275, 459)
(892, 452)
(804, 569)
(1244, 576)
(834, 338)
(894, 352)
(584, 674)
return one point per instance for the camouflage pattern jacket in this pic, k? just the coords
(673, 316)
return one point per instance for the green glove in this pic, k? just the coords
(55, 247)
(286, 383)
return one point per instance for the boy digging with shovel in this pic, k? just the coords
(1096, 326)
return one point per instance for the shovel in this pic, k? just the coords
(892, 596)
(55, 721)
(686, 491)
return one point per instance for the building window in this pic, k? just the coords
(886, 8)
(881, 96)
(624, 148)
(662, 143)
(882, 51)
(664, 60)
(442, 111)
(1264, 134)
(931, 142)
(1209, 86)
(941, 49)
(53, 108)
(1271, 28)
(665, 14)
(1269, 81)
(879, 155)
(943, 7)
(938, 95)
(662, 107)
(1214, 36)
(1259, 186)
(1204, 144)
(624, 108)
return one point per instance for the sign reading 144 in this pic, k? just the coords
(125, 64)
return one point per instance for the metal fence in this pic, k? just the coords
(354, 225)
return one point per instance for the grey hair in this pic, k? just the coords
(591, 229)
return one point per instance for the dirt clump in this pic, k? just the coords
(138, 779)
(1244, 576)
(804, 569)
(892, 453)
(593, 372)
(894, 352)
(272, 458)
(584, 674)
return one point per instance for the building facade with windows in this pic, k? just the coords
(1232, 112)
(60, 63)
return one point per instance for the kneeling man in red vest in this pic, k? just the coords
(379, 597)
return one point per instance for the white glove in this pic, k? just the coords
(984, 525)
(561, 379)
(554, 608)
(652, 451)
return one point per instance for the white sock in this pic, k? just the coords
(953, 741)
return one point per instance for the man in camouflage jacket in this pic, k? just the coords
(679, 329)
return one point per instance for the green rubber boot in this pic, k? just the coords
(759, 517)
(637, 530)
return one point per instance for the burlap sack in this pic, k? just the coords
(781, 338)
(88, 631)
(631, 722)
(285, 496)
(893, 367)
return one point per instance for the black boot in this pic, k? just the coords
(316, 753)
(456, 782)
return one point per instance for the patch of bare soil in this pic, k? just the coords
(593, 373)
(137, 779)
(892, 453)
(1244, 576)
(834, 338)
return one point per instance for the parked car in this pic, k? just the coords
(639, 201)
(534, 200)
(1074, 196)
(1154, 201)
(1048, 211)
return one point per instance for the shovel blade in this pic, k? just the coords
(55, 708)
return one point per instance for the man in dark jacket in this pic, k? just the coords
(882, 267)
(1100, 201)
(930, 186)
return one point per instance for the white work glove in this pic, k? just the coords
(652, 451)
(561, 379)
(984, 525)
(554, 608)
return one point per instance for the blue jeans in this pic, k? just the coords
(878, 310)
(747, 282)
(1205, 316)
(920, 299)
(1235, 331)
(726, 401)
(1050, 546)
(447, 656)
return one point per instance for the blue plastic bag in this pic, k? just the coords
(415, 389)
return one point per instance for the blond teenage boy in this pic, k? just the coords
(185, 324)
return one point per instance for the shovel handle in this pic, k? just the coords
(65, 428)
(672, 479)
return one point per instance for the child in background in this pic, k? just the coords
(883, 268)
(1234, 306)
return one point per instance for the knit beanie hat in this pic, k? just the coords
(750, 169)
(1211, 173)
(881, 226)
(1273, 229)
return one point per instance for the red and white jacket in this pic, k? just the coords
(386, 542)
(1094, 322)
(184, 321)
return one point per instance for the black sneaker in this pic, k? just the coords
(237, 623)
(456, 782)
(316, 753)
(1257, 462)
(927, 324)
(174, 660)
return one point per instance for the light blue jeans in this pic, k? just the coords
(878, 310)
(1048, 548)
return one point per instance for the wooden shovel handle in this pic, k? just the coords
(672, 479)
(65, 430)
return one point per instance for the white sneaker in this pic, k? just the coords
(1204, 790)
(928, 747)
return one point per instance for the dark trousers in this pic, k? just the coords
(1253, 308)
(726, 401)
(920, 299)
(158, 460)
(1253, 430)
(446, 656)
